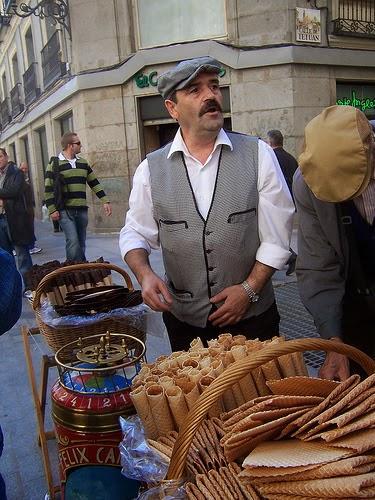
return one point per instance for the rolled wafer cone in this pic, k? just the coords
(216, 409)
(271, 371)
(220, 484)
(208, 370)
(364, 422)
(160, 410)
(166, 381)
(194, 375)
(177, 404)
(190, 363)
(225, 339)
(205, 362)
(299, 363)
(239, 340)
(232, 484)
(286, 365)
(227, 399)
(215, 351)
(303, 386)
(205, 487)
(162, 448)
(246, 384)
(191, 392)
(151, 378)
(140, 401)
(193, 492)
(184, 371)
(196, 344)
(164, 365)
(260, 382)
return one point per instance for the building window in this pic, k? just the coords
(172, 21)
(66, 124)
(43, 147)
(16, 73)
(29, 44)
(354, 18)
(4, 85)
(12, 152)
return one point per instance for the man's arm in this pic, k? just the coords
(49, 195)
(154, 291)
(320, 274)
(275, 219)
(96, 187)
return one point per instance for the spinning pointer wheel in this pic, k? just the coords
(103, 353)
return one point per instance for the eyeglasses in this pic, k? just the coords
(78, 143)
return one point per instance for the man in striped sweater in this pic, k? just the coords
(74, 173)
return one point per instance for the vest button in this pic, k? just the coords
(212, 283)
(208, 251)
(211, 268)
(207, 233)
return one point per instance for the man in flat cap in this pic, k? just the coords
(218, 205)
(334, 191)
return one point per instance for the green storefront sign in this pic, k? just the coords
(151, 80)
(357, 99)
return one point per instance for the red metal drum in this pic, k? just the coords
(91, 394)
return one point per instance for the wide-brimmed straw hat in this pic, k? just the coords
(336, 161)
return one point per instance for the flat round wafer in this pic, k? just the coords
(364, 395)
(303, 423)
(327, 488)
(243, 448)
(275, 472)
(302, 386)
(364, 422)
(344, 467)
(293, 452)
(353, 413)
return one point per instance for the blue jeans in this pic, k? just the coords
(73, 222)
(23, 258)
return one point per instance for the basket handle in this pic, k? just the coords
(78, 267)
(238, 370)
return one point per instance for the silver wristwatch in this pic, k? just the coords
(253, 296)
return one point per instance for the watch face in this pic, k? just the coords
(255, 298)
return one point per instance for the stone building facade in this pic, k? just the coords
(283, 62)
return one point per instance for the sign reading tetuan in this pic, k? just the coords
(308, 27)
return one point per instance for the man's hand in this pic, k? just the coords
(55, 215)
(236, 303)
(107, 209)
(155, 292)
(335, 366)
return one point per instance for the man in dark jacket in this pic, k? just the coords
(288, 165)
(16, 217)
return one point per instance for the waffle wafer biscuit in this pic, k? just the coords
(302, 424)
(274, 473)
(163, 449)
(364, 395)
(219, 483)
(299, 364)
(193, 493)
(140, 401)
(364, 422)
(248, 492)
(303, 386)
(177, 404)
(196, 344)
(205, 487)
(353, 413)
(233, 485)
(293, 452)
(327, 488)
(271, 371)
(360, 441)
(247, 385)
(345, 467)
(260, 382)
(160, 409)
(286, 365)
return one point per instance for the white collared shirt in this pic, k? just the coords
(275, 208)
(72, 161)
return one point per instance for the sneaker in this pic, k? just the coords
(35, 250)
(28, 294)
(14, 253)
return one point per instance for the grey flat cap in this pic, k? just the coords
(181, 75)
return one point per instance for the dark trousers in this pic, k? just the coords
(359, 325)
(263, 327)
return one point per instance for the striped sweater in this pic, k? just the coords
(75, 184)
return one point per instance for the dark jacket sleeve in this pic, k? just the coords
(320, 262)
(15, 188)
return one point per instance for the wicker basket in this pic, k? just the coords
(57, 337)
(238, 370)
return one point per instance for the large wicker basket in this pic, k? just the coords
(57, 337)
(238, 370)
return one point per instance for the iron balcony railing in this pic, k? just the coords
(16, 101)
(4, 113)
(355, 18)
(30, 83)
(53, 67)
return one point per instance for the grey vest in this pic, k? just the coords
(202, 257)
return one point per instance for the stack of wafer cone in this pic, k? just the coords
(189, 370)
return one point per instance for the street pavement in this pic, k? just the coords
(21, 462)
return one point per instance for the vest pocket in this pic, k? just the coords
(242, 217)
(172, 225)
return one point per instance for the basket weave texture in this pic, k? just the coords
(238, 370)
(57, 336)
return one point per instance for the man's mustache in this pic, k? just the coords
(209, 107)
